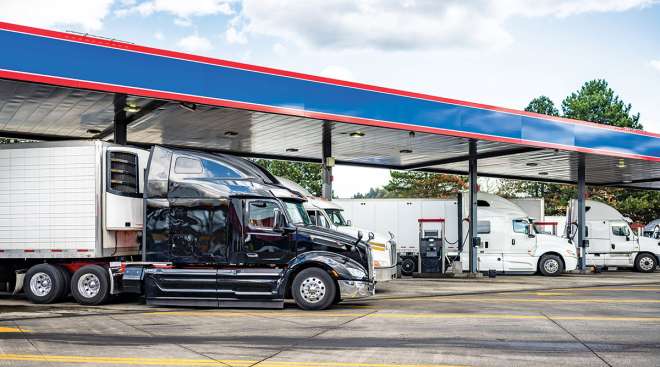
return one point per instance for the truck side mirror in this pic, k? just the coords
(349, 223)
(371, 236)
(277, 218)
(360, 235)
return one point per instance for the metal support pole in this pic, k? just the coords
(581, 219)
(327, 165)
(459, 220)
(120, 121)
(473, 234)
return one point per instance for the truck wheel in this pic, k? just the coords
(90, 285)
(313, 289)
(43, 283)
(645, 263)
(551, 265)
(408, 266)
(66, 281)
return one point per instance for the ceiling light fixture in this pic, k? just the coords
(621, 164)
(357, 134)
(291, 150)
(543, 173)
(405, 151)
(93, 131)
(231, 133)
(132, 108)
(627, 181)
(532, 164)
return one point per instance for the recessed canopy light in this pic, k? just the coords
(532, 164)
(132, 108)
(93, 131)
(188, 106)
(627, 181)
(543, 173)
(405, 151)
(622, 163)
(231, 133)
(291, 149)
(357, 134)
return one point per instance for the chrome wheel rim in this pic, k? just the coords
(551, 266)
(89, 285)
(312, 289)
(41, 284)
(646, 263)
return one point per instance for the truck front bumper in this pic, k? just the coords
(349, 289)
(385, 274)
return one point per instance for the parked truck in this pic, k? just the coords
(326, 214)
(611, 242)
(180, 227)
(509, 243)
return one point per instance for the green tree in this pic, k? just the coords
(307, 175)
(374, 193)
(423, 184)
(542, 105)
(597, 102)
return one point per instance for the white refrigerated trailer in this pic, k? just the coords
(65, 209)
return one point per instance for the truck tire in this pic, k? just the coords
(645, 263)
(408, 266)
(66, 284)
(90, 285)
(43, 283)
(551, 265)
(313, 289)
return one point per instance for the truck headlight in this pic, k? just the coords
(357, 273)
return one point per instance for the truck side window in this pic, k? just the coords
(185, 165)
(520, 226)
(621, 231)
(215, 169)
(313, 217)
(261, 214)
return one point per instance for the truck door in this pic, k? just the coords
(622, 244)
(597, 232)
(264, 243)
(518, 251)
(489, 252)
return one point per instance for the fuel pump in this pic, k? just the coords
(431, 246)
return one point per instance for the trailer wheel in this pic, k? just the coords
(645, 263)
(408, 266)
(66, 281)
(90, 285)
(313, 289)
(551, 265)
(43, 283)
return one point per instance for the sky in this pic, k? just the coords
(499, 52)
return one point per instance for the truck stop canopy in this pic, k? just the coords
(67, 86)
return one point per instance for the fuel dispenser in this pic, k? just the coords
(431, 246)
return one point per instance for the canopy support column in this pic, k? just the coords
(327, 162)
(120, 120)
(473, 236)
(581, 219)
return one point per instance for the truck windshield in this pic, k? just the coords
(336, 217)
(297, 213)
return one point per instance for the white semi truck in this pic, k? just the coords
(509, 242)
(611, 242)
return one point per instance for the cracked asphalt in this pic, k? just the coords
(608, 319)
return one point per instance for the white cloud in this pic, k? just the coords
(159, 36)
(279, 48)
(183, 22)
(655, 64)
(337, 72)
(86, 14)
(194, 43)
(179, 8)
(410, 24)
(235, 37)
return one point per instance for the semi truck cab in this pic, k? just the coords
(611, 242)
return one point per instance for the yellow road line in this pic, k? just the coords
(549, 293)
(387, 315)
(12, 330)
(596, 289)
(451, 299)
(193, 362)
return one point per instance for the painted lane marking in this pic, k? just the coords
(408, 315)
(529, 300)
(195, 362)
(4, 329)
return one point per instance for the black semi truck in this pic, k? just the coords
(180, 227)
